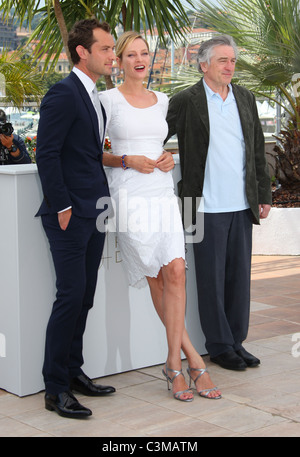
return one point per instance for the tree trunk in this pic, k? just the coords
(62, 27)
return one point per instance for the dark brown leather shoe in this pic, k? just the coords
(66, 405)
(85, 386)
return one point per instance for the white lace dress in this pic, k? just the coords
(147, 215)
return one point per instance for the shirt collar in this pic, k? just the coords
(210, 93)
(85, 79)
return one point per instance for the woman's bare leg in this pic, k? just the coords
(168, 296)
(171, 311)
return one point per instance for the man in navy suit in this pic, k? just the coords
(69, 160)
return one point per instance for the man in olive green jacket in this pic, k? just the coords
(222, 159)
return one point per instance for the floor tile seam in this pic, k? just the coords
(15, 414)
(195, 419)
(282, 415)
(277, 351)
(292, 322)
(260, 295)
(261, 314)
(246, 405)
(278, 295)
(143, 429)
(262, 404)
(260, 429)
(144, 399)
(271, 308)
(162, 407)
(140, 370)
(21, 422)
(274, 274)
(264, 312)
(288, 335)
(52, 433)
(139, 383)
(271, 321)
(183, 416)
(134, 428)
(193, 414)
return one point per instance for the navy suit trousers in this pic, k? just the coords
(223, 267)
(76, 256)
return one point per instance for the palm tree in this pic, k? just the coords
(268, 35)
(59, 15)
(21, 80)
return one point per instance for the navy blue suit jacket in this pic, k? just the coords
(69, 150)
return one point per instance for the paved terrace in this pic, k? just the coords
(260, 402)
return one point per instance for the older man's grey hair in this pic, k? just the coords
(206, 49)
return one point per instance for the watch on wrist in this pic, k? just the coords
(13, 148)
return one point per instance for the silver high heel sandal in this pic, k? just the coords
(205, 392)
(176, 395)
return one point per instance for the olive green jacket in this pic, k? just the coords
(188, 118)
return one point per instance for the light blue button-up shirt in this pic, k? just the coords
(224, 182)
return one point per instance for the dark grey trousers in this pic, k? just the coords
(223, 269)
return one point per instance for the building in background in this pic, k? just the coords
(8, 36)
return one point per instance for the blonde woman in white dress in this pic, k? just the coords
(140, 181)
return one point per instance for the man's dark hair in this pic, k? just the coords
(82, 34)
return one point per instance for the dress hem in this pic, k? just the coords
(142, 281)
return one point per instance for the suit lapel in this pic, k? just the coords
(243, 108)
(198, 98)
(88, 102)
(104, 121)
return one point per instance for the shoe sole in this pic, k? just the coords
(253, 365)
(68, 415)
(229, 368)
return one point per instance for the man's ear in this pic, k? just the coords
(81, 51)
(203, 66)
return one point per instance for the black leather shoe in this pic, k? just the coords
(66, 405)
(230, 360)
(85, 386)
(250, 360)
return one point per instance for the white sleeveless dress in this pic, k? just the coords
(147, 215)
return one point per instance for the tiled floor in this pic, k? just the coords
(262, 401)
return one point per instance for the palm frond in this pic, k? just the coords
(22, 80)
(268, 34)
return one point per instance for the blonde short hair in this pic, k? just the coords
(125, 39)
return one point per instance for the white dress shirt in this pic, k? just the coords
(89, 86)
